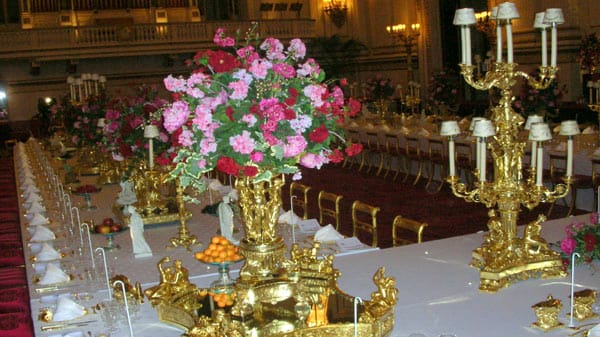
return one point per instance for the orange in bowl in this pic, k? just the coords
(219, 250)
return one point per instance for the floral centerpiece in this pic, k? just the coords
(444, 87)
(378, 88)
(589, 54)
(540, 102)
(582, 238)
(257, 110)
(81, 120)
(124, 123)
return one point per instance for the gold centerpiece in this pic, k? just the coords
(506, 257)
(547, 314)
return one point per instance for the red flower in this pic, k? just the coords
(229, 112)
(319, 135)
(289, 114)
(336, 156)
(228, 165)
(250, 171)
(590, 242)
(175, 137)
(290, 101)
(344, 82)
(125, 150)
(164, 160)
(222, 62)
(354, 106)
(354, 149)
(293, 92)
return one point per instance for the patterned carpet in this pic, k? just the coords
(445, 214)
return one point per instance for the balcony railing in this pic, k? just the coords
(73, 41)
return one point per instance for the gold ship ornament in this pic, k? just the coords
(276, 295)
(505, 257)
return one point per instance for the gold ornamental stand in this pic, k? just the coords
(184, 238)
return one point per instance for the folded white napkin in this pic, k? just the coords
(36, 207)
(32, 197)
(289, 218)
(28, 181)
(328, 234)
(54, 275)
(588, 131)
(30, 189)
(560, 147)
(25, 173)
(36, 204)
(349, 244)
(37, 219)
(42, 234)
(67, 309)
(47, 253)
(309, 226)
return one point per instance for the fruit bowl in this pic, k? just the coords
(220, 253)
(86, 191)
(109, 229)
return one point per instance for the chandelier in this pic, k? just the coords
(337, 11)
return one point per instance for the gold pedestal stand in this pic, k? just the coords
(505, 257)
(87, 162)
(184, 239)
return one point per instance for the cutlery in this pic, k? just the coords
(65, 326)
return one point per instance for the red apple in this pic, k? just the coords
(116, 227)
(98, 228)
(108, 222)
(104, 229)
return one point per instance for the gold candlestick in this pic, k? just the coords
(184, 238)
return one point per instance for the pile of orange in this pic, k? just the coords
(222, 300)
(219, 250)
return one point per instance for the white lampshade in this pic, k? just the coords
(102, 79)
(151, 131)
(474, 121)
(569, 128)
(554, 15)
(449, 128)
(540, 132)
(464, 17)
(95, 77)
(590, 84)
(70, 80)
(494, 14)
(539, 21)
(484, 128)
(597, 85)
(507, 11)
(533, 119)
(101, 123)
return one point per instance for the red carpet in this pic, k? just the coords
(445, 214)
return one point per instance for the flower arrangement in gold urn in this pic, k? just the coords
(256, 110)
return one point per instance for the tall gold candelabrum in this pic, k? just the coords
(408, 38)
(506, 257)
(183, 238)
(594, 97)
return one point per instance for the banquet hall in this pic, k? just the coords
(299, 168)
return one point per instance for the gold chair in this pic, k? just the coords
(596, 178)
(464, 160)
(407, 225)
(360, 213)
(394, 148)
(329, 205)
(558, 163)
(414, 153)
(376, 151)
(299, 197)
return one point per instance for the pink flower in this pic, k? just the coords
(256, 156)
(202, 118)
(202, 163)
(243, 143)
(309, 68)
(176, 115)
(295, 145)
(567, 245)
(285, 70)
(112, 127)
(297, 176)
(312, 160)
(186, 138)
(136, 121)
(274, 49)
(195, 92)
(259, 68)
(221, 40)
(248, 54)
(297, 49)
(338, 96)
(112, 114)
(249, 119)
(269, 126)
(208, 145)
(175, 84)
(315, 93)
(240, 89)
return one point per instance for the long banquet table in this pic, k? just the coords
(438, 291)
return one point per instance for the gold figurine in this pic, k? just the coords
(547, 314)
(582, 304)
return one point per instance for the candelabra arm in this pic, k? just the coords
(547, 74)
(487, 82)
(480, 194)
(541, 194)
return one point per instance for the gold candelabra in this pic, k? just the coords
(183, 238)
(337, 11)
(594, 96)
(504, 257)
(408, 38)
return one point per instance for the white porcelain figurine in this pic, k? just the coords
(136, 230)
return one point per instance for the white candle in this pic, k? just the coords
(498, 42)
(540, 166)
(573, 257)
(103, 253)
(533, 153)
(468, 44)
(570, 156)
(509, 43)
(478, 154)
(463, 46)
(452, 169)
(293, 220)
(544, 48)
(554, 46)
(483, 160)
(151, 153)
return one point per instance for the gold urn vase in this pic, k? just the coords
(263, 250)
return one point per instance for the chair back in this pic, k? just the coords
(372, 138)
(364, 220)
(409, 225)
(437, 150)
(329, 206)
(558, 162)
(300, 200)
(464, 154)
(392, 143)
(413, 145)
